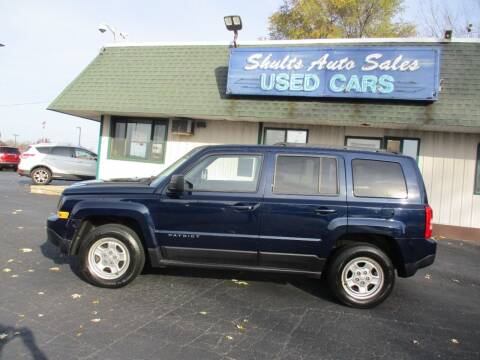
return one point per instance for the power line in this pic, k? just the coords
(22, 104)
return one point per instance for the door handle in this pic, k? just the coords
(325, 211)
(245, 207)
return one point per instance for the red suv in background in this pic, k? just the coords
(9, 157)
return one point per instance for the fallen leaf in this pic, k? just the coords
(16, 333)
(415, 342)
(20, 227)
(14, 213)
(229, 337)
(79, 334)
(55, 268)
(242, 283)
(95, 302)
(95, 320)
(10, 260)
(75, 296)
(14, 276)
(455, 341)
(21, 315)
(26, 250)
(41, 293)
(456, 281)
(7, 270)
(19, 210)
(3, 336)
(30, 270)
(94, 312)
(203, 313)
(428, 276)
(40, 315)
(240, 327)
(245, 320)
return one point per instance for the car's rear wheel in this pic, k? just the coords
(41, 176)
(361, 276)
(111, 256)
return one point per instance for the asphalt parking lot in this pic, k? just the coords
(47, 312)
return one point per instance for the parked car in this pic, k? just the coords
(355, 216)
(44, 162)
(9, 157)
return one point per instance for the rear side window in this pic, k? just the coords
(62, 151)
(380, 179)
(305, 175)
(44, 149)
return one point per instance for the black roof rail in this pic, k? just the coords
(338, 147)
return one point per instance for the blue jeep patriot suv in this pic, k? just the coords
(353, 216)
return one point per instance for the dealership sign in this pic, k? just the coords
(404, 73)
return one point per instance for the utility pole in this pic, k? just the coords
(79, 134)
(15, 136)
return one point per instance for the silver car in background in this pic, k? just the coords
(45, 162)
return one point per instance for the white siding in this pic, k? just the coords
(447, 160)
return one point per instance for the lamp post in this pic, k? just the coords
(79, 134)
(233, 23)
(15, 136)
(104, 27)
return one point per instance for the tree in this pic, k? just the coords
(462, 19)
(302, 19)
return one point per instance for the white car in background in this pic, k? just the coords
(45, 162)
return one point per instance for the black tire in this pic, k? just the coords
(41, 176)
(131, 242)
(345, 256)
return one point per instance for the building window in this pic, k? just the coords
(305, 175)
(477, 173)
(397, 145)
(378, 179)
(364, 142)
(403, 146)
(272, 136)
(138, 139)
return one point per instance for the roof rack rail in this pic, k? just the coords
(338, 147)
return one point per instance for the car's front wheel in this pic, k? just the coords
(41, 176)
(111, 256)
(361, 276)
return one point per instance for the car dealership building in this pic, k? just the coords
(419, 97)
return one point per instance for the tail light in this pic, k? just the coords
(428, 222)
(26, 155)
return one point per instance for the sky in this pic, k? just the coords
(48, 43)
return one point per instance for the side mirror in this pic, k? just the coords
(177, 185)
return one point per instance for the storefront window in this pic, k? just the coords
(477, 173)
(139, 139)
(294, 136)
(364, 142)
(397, 145)
(409, 147)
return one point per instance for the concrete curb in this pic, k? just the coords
(47, 189)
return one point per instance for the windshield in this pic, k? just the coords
(171, 169)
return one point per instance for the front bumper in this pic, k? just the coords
(54, 227)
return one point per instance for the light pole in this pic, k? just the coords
(104, 27)
(79, 134)
(15, 136)
(2, 45)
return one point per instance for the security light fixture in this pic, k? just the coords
(104, 27)
(448, 34)
(233, 23)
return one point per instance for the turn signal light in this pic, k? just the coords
(63, 214)
(428, 222)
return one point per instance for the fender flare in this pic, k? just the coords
(105, 208)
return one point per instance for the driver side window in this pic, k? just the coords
(226, 173)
